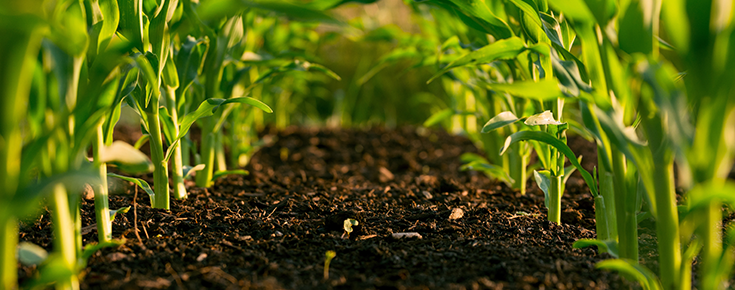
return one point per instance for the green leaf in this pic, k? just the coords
(114, 212)
(111, 14)
(139, 182)
(74, 180)
(479, 163)
(188, 61)
(556, 143)
(543, 180)
(53, 270)
(167, 124)
(544, 118)
(438, 117)
(30, 254)
(90, 249)
(188, 170)
(609, 246)
(635, 32)
(567, 72)
(574, 9)
(640, 273)
(544, 90)
(530, 11)
(210, 10)
(126, 157)
(170, 74)
(131, 22)
(478, 15)
(501, 120)
(501, 49)
(552, 29)
(224, 173)
(141, 141)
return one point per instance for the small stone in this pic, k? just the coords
(385, 174)
(201, 257)
(427, 194)
(278, 234)
(457, 213)
(408, 235)
(88, 192)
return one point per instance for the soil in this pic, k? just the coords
(272, 228)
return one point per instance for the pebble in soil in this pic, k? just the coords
(271, 229)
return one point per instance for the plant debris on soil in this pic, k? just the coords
(272, 228)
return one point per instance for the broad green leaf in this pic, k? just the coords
(149, 74)
(567, 72)
(544, 90)
(139, 182)
(543, 180)
(530, 11)
(30, 254)
(544, 118)
(211, 105)
(224, 173)
(552, 29)
(501, 120)
(703, 194)
(131, 22)
(478, 15)
(501, 49)
(438, 117)
(676, 23)
(640, 273)
(574, 9)
(188, 170)
(635, 32)
(114, 212)
(188, 61)
(609, 246)
(556, 143)
(126, 157)
(53, 270)
(111, 13)
(170, 74)
(167, 124)
(210, 10)
(74, 180)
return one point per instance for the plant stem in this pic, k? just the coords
(667, 226)
(177, 162)
(626, 220)
(555, 194)
(517, 164)
(607, 195)
(64, 241)
(204, 176)
(219, 151)
(711, 219)
(101, 206)
(160, 172)
(8, 249)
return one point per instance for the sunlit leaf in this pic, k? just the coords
(126, 157)
(501, 120)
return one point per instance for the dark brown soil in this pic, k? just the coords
(271, 229)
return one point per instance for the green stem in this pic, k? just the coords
(177, 162)
(219, 151)
(627, 229)
(667, 226)
(64, 241)
(101, 206)
(517, 166)
(555, 194)
(8, 249)
(602, 220)
(160, 171)
(607, 193)
(711, 219)
(204, 176)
